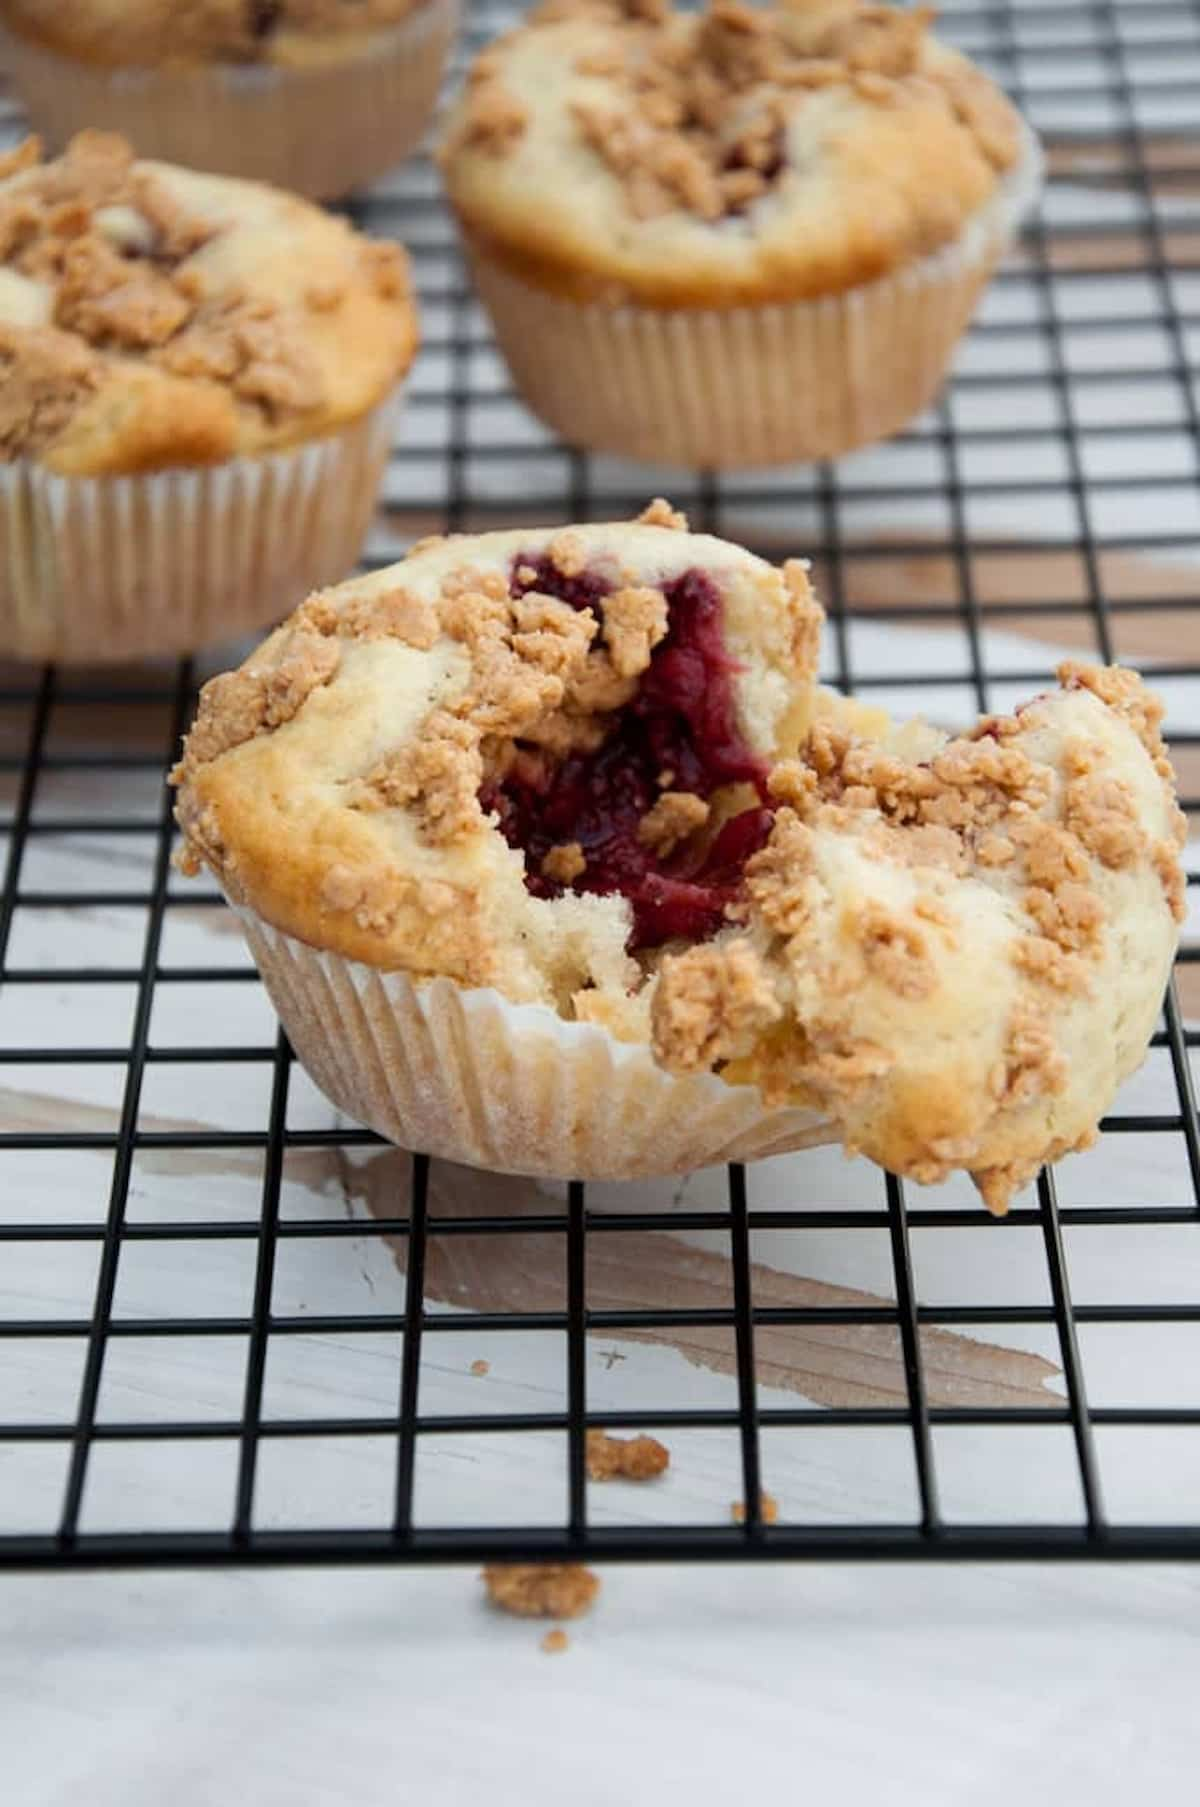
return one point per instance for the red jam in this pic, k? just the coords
(681, 721)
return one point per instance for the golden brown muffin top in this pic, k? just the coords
(614, 147)
(152, 317)
(119, 33)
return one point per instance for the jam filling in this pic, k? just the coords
(679, 732)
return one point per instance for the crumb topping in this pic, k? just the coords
(635, 620)
(893, 950)
(237, 706)
(565, 863)
(45, 377)
(676, 816)
(104, 248)
(251, 348)
(625, 1458)
(691, 113)
(552, 1590)
(1033, 1065)
(709, 1001)
(659, 513)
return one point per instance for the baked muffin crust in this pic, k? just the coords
(612, 149)
(149, 315)
(131, 33)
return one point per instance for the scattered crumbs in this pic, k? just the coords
(532, 1590)
(625, 1458)
(479, 1366)
(768, 1507)
(555, 1641)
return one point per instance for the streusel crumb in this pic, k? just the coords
(625, 1458)
(709, 1003)
(554, 1590)
(659, 513)
(675, 816)
(565, 863)
(768, 1509)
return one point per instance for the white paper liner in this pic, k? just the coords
(103, 568)
(471, 1077)
(768, 384)
(321, 130)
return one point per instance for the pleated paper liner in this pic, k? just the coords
(471, 1077)
(107, 568)
(753, 385)
(320, 130)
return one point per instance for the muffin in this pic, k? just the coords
(734, 238)
(198, 381)
(319, 96)
(555, 860)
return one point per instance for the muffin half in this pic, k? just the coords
(464, 803)
(555, 860)
(318, 96)
(197, 391)
(733, 238)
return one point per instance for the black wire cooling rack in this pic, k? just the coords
(1053, 492)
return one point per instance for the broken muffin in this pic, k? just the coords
(555, 860)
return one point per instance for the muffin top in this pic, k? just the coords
(961, 955)
(525, 759)
(120, 33)
(614, 148)
(151, 316)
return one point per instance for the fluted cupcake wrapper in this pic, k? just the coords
(470, 1076)
(103, 568)
(765, 384)
(320, 130)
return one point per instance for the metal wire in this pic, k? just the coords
(467, 460)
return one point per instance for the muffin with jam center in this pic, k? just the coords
(198, 380)
(320, 96)
(555, 860)
(734, 238)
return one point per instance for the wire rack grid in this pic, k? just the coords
(1051, 499)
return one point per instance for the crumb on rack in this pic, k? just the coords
(625, 1458)
(531, 1590)
(768, 1509)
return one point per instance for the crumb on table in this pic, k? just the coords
(625, 1458)
(532, 1590)
(768, 1507)
(555, 1641)
(479, 1366)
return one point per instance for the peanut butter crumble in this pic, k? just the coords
(552, 1590)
